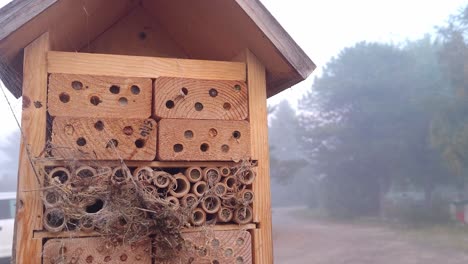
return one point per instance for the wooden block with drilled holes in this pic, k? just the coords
(201, 140)
(99, 96)
(94, 250)
(200, 99)
(214, 247)
(104, 139)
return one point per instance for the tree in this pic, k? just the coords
(449, 127)
(365, 123)
(285, 158)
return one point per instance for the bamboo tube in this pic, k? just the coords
(225, 171)
(199, 188)
(211, 219)
(220, 189)
(194, 174)
(86, 223)
(225, 215)
(161, 179)
(246, 196)
(243, 215)
(198, 217)
(143, 174)
(211, 175)
(119, 175)
(230, 182)
(190, 200)
(54, 220)
(211, 204)
(246, 177)
(60, 175)
(173, 202)
(180, 186)
(85, 172)
(51, 198)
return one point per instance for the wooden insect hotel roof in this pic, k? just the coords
(208, 30)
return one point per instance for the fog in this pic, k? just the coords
(371, 164)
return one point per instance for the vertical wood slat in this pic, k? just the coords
(256, 81)
(33, 125)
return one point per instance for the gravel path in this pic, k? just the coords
(302, 241)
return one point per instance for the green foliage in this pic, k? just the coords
(365, 125)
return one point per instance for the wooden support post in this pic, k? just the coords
(256, 82)
(33, 125)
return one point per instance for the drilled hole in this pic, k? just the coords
(237, 87)
(113, 143)
(215, 243)
(142, 35)
(89, 259)
(135, 89)
(123, 101)
(240, 241)
(228, 252)
(227, 106)
(99, 125)
(188, 134)
(178, 148)
(64, 98)
(198, 106)
(140, 143)
(225, 148)
(81, 141)
(128, 130)
(95, 100)
(77, 85)
(123, 257)
(215, 261)
(236, 134)
(230, 182)
(184, 91)
(95, 207)
(204, 147)
(239, 260)
(213, 132)
(170, 104)
(202, 252)
(114, 89)
(107, 258)
(213, 92)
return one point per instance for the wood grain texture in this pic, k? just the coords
(200, 99)
(130, 163)
(221, 246)
(138, 33)
(262, 237)
(104, 139)
(223, 140)
(39, 234)
(33, 126)
(94, 250)
(145, 67)
(99, 96)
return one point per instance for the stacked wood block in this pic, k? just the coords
(94, 250)
(101, 118)
(107, 118)
(220, 247)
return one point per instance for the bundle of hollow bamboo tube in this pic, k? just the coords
(206, 195)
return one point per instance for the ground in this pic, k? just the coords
(302, 239)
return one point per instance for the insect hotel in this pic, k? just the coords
(144, 128)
